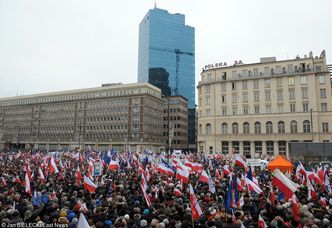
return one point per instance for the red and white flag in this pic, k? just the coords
(146, 196)
(89, 185)
(227, 172)
(147, 174)
(204, 177)
(311, 191)
(27, 184)
(114, 165)
(196, 210)
(53, 195)
(284, 184)
(295, 208)
(52, 166)
(261, 222)
(41, 175)
(182, 174)
(240, 202)
(165, 170)
(78, 175)
(240, 162)
(252, 186)
(82, 222)
(177, 192)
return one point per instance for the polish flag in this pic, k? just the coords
(53, 195)
(327, 183)
(204, 177)
(252, 186)
(114, 165)
(27, 184)
(301, 170)
(218, 175)
(284, 184)
(147, 174)
(295, 208)
(82, 222)
(314, 177)
(82, 206)
(177, 192)
(240, 162)
(140, 168)
(143, 182)
(311, 191)
(27, 169)
(182, 174)
(240, 183)
(272, 196)
(321, 173)
(41, 175)
(89, 185)
(227, 172)
(165, 170)
(146, 196)
(261, 222)
(240, 202)
(52, 166)
(196, 210)
(78, 175)
(323, 202)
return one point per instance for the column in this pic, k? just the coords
(264, 148)
(241, 148)
(287, 152)
(252, 149)
(276, 150)
(230, 148)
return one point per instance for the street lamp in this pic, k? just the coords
(79, 136)
(168, 128)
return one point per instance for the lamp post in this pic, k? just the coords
(311, 126)
(168, 128)
(79, 136)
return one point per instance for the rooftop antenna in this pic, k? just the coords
(155, 3)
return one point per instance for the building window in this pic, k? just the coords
(305, 107)
(200, 129)
(236, 146)
(281, 127)
(318, 68)
(223, 99)
(269, 127)
(245, 73)
(321, 79)
(224, 147)
(223, 111)
(233, 86)
(245, 85)
(267, 95)
(291, 94)
(245, 97)
(246, 149)
(207, 88)
(267, 83)
(208, 129)
(292, 108)
(258, 147)
(290, 68)
(325, 127)
(245, 110)
(280, 108)
(256, 84)
(208, 112)
(255, 72)
(278, 70)
(322, 93)
(323, 107)
(224, 128)
(223, 87)
(266, 71)
(304, 91)
(279, 94)
(246, 129)
(282, 147)
(256, 109)
(208, 100)
(268, 108)
(279, 82)
(234, 98)
(303, 79)
(291, 81)
(269, 148)
(306, 126)
(234, 108)
(256, 96)
(234, 74)
(235, 128)
(257, 127)
(293, 126)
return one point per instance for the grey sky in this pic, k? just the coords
(48, 45)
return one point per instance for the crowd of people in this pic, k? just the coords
(60, 196)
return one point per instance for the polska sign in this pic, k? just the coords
(213, 65)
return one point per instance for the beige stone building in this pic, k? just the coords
(112, 116)
(176, 122)
(257, 109)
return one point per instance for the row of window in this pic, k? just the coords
(268, 127)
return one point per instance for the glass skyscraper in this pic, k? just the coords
(167, 53)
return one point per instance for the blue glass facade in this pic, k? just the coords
(162, 38)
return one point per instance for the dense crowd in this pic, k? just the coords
(118, 200)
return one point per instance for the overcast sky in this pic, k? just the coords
(48, 45)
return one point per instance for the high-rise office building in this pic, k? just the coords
(167, 44)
